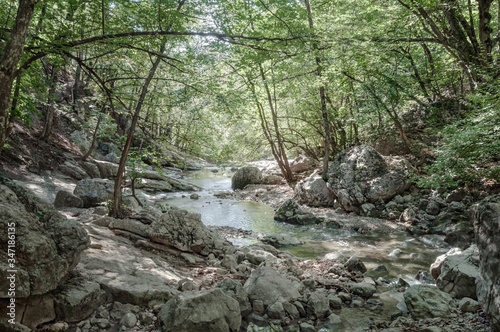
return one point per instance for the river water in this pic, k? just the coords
(403, 255)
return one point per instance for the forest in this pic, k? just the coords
(243, 80)
(370, 124)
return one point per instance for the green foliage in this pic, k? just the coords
(469, 153)
(381, 63)
(135, 164)
(6, 146)
(107, 129)
(109, 204)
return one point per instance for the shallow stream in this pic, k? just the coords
(402, 255)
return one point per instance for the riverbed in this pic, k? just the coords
(403, 256)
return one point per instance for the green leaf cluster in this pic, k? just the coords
(469, 153)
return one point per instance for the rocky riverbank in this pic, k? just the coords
(147, 273)
(162, 269)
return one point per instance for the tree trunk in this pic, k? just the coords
(485, 30)
(76, 87)
(402, 133)
(267, 132)
(9, 60)
(94, 138)
(133, 192)
(116, 210)
(51, 106)
(283, 159)
(13, 107)
(497, 38)
(416, 73)
(322, 95)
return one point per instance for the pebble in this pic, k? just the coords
(357, 303)
(396, 253)
(100, 322)
(380, 268)
(147, 318)
(128, 320)
(345, 297)
(305, 327)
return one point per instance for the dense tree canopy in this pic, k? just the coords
(245, 79)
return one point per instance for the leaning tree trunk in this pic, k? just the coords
(9, 60)
(94, 137)
(116, 210)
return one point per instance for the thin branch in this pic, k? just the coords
(277, 17)
(221, 36)
(163, 56)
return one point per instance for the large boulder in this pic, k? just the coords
(435, 268)
(425, 301)
(43, 245)
(291, 213)
(301, 164)
(313, 191)
(267, 285)
(363, 289)
(487, 229)
(91, 169)
(153, 186)
(185, 231)
(81, 139)
(94, 191)
(67, 199)
(77, 300)
(207, 311)
(245, 176)
(361, 175)
(73, 169)
(106, 169)
(148, 215)
(36, 310)
(130, 225)
(355, 264)
(459, 273)
(180, 185)
(281, 240)
(318, 304)
(151, 181)
(234, 289)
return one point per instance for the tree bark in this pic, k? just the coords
(94, 138)
(76, 87)
(485, 30)
(51, 106)
(133, 192)
(116, 210)
(268, 134)
(416, 73)
(497, 38)
(287, 173)
(9, 61)
(322, 95)
(13, 107)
